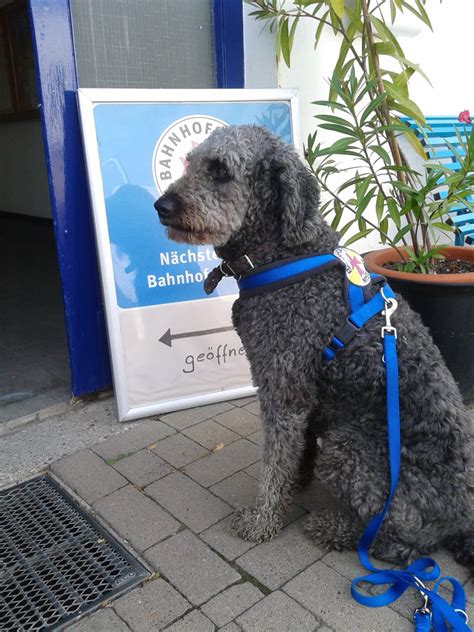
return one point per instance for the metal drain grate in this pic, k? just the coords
(56, 562)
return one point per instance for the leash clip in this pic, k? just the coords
(424, 609)
(391, 306)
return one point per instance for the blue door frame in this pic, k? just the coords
(57, 84)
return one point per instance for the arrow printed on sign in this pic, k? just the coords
(167, 338)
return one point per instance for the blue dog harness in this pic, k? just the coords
(435, 613)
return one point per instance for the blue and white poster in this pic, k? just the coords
(172, 346)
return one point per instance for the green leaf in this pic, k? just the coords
(364, 202)
(360, 235)
(362, 224)
(361, 186)
(385, 48)
(406, 110)
(285, 41)
(401, 233)
(278, 43)
(393, 210)
(341, 68)
(443, 226)
(353, 14)
(342, 231)
(385, 33)
(338, 211)
(330, 118)
(393, 127)
(379, 204)
(402, 104)
(401, 80)
(334, 19)
(337, 88)
(307, 3)
(393, 11)
(409, 64)
(420, 14)
(373, 105)
(382, 153)
(424, 15)
(402, 186)
(292, 32)
(338, 128)
(319, 30)
(462, 140)
(339, 147)
(415, 143)
(326, 209)
(349, 183)
(353, 83)
(406, 208)
(338, 7)
(331, 104)
(339, 71)
(384, 230)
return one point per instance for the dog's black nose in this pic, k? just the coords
(167, 206)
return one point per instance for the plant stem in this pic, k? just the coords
(334, 195)
(301, 12)
(394, 147)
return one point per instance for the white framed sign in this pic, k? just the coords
(172, 347)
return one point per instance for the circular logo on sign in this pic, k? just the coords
(172, 147)
(355, 268)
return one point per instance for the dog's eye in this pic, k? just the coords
(219, 171)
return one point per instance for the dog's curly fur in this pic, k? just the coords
(247, 192)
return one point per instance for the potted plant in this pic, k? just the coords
(367, 181)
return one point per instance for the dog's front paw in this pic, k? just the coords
(253, 525)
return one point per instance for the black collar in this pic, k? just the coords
(235, 268)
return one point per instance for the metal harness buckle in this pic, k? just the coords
(247, 259)
(224, 273)
(233, 273)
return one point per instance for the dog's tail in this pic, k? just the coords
(462, 547)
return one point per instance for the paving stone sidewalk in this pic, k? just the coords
(168, 488)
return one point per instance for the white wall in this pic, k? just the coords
(443, 54)
(259, 58)
(23, 180)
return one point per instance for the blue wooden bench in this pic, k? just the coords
(442, 130)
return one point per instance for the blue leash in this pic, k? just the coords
(435, 613)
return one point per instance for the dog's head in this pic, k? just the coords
(242, 183)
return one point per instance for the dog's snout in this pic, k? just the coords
(167, 206)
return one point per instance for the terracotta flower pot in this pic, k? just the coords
(446, 304)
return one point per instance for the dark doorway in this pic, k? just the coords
(33, 350)
(34, 372)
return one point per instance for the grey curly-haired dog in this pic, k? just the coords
(246, 192)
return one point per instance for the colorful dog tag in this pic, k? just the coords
(355, 268)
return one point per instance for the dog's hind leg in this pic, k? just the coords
(353, 464)
(341, 531)
(333, 530)
(284, 442)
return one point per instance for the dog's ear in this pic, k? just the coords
(298, 199)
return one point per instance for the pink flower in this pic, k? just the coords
(465, 117)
